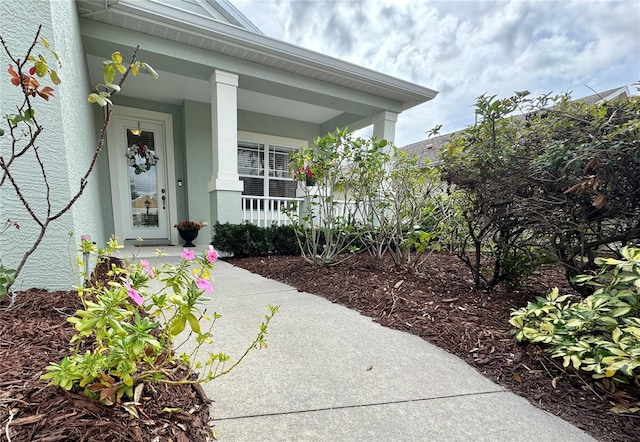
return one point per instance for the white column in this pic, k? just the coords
(224, 127)
(384, 125)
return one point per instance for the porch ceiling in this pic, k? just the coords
(275, 77)
(174, 88)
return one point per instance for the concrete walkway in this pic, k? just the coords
(331, 374)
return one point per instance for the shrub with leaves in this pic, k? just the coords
(336, 177)
(548, 171)
(128, 329)
(599, 334)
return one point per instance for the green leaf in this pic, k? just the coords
(115, 87)
(109, 72)
(615, 334)
(177, 326)
(150, 71)
(193, 322)
(96, 98)
(116, 57)
(29, 113)
(41, 68)
(620, 311)
(1, 132)
(54, 77)
(44, 41)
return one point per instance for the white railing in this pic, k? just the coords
(265, 210)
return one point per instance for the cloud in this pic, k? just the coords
(466, 48)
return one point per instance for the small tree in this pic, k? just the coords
(24, 131)
(404, 199)
(330, 174)
(365, 194)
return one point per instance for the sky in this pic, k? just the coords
(464, 49)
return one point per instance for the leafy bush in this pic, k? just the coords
(282, 240)
(126, 331)
(563, 172)
(336, 176)
(243, 240)
(599, 334)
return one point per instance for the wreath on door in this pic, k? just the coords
(141, 158)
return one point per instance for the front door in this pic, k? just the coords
(138, 150)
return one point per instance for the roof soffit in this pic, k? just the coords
(167, 22)
(100, 40)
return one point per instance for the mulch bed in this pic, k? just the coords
(442, 306)
(439, 305)
(35, 332)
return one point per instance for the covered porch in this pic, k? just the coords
(229, 106)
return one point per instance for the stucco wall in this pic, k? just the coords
(199, 164)
(278, 126)
(65, 145)
(198, 160)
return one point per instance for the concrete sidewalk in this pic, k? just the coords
(331, 374)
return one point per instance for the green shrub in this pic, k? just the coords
(243, 240)
(282, 240)
(129, 331)
(599, 334)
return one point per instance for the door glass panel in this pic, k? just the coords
(143, 181)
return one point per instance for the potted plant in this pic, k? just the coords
(188, 231)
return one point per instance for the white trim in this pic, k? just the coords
(167, 121)
(253, 137)
(223, 77)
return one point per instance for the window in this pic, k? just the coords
(264, 167)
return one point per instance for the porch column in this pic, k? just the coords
(225, 187)
(384, 125)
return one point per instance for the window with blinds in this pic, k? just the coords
(264, 169)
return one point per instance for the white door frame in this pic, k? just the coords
(118, 194)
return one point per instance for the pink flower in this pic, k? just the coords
(212, 255)
(204, 284)
(188, 254)
(133, 293)
(145, 265)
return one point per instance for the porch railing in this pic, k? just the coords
(265, 210)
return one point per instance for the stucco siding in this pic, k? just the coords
(277, 126)
(65, 146)
(225, 207)
(199, 162)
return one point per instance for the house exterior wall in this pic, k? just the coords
(197, 118)
(278, 126)
(198, 160)
(65, 145)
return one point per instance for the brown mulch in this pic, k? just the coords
(442, 306)
(35, 332)
(439, 305)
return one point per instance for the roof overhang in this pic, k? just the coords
(168, 21)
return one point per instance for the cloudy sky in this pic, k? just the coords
(466, 48)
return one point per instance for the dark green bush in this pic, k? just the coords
(282, 240)
(243, 240)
